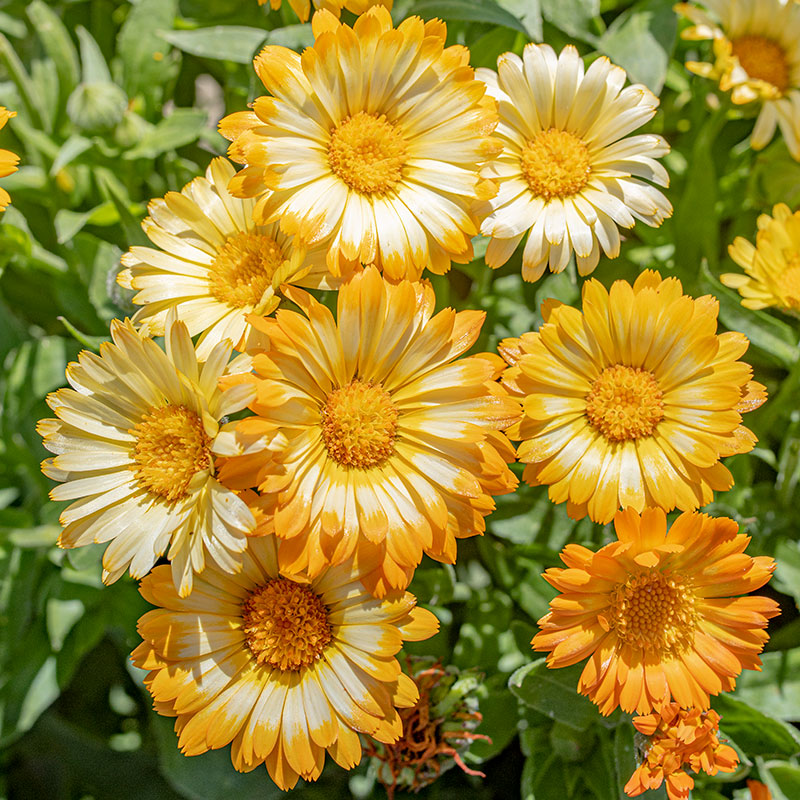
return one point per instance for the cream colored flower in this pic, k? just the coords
(569, 173)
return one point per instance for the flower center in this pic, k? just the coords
(763, 59)
(368, 153)
(625, 403)
(654, 611)
(359, 425)
(556, 164)
(789, 281)
(171, 446)
(285, 625)
(243, 269)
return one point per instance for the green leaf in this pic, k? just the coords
(782, 779)
(236, 43)
(67, 223)
(641, 40)
(295, 37)
(69, 151)
(775, 690)
(573, 16)
(182, 127)
(93, 66)
(529, 13)
(57, 43)
(776, 339)
(554, 693)
(755, 732)
(92, 342)
(486, 11)
(31, 101)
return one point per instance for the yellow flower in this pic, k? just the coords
(678, 738)
(371, 142)
(569, 173)
(656, 612)
(215, 265)
(281, 670)
(135, 443)
(394, 448)
(8, 160)
(303, 7)
(632, 402)
(756, 59)
(772, 265)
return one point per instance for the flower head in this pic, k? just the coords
(437, 730)
(569, 174)
(657, 612)
(633, 401)
(8, 160)
(394, 446)
(676, 739)
(303, 7)
(136, 441)
(756, 59)
(772, 265)
(371, 142)
(214, 265)
(283, 671)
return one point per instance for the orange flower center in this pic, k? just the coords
(625, 403)
(359, 425)
(368, 153)
(243, 269)
(285, 625)
(654, 611)
(556, 164)
(171, 446)
(763, 59)
(789, 281)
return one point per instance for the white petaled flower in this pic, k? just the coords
(569, 174)
(756, 49)
(135, 442)
(214, 265)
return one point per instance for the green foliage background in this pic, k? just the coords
(117, 103)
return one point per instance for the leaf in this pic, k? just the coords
(554, 693)
(67, 223)
(93, 66)
(782, 779)
(236, 43)
(92, 342)
(641, 40)
(755, 732)
(529, 13)
(572, 16)
(182, 127)
(486, 11)
(787, 572)
(775, 690)
(30, 99)
(57, 43)
(775, 338)
(69, 151)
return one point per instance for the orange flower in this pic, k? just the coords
(657, 612)
(758, 791)
(8, 160)
(679, 738)
(395, 447)
(631, 401)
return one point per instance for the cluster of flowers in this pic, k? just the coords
(293, 531)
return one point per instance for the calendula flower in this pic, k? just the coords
(756, 59)
(371, 142)
(394, 447)
(772, 264)
(758, 790)
(633, 401)
(214, 265)
(657, 612)
(569, 173)
(8, 160)
(437, 730)
(136, 438)
(280, 670)
(303, 7)
(678, 738)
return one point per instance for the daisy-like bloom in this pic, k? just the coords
(303, 7)
(437, 731)
(394, 448)
(676, 739)
(281, 670)
(135, 441)
(658, 613)
(631, 402)
(371, 142)
(756, 47)
(215, 265)
(8, 160)
(569, 174)
(772, 264)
